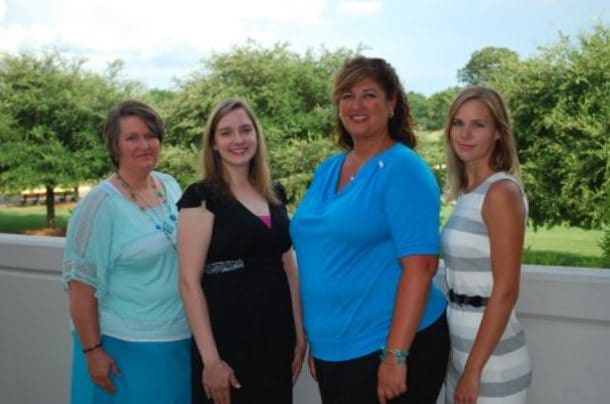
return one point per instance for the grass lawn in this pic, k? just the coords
(559, 245)
(567, 246)
(18, 219)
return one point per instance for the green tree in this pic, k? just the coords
(181, 162)
(288, 91)
(605, 241)
(295, 162)
(52, 134)
(559, 102)
(161, 100)
(419, 109)
(485, 63)
(438, 106)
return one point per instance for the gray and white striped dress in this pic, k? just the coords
(465, 242)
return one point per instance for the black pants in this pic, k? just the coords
(355, 381)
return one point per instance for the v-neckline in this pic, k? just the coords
(338, 175)
(133, 203)
(359, 174)
(254, 215)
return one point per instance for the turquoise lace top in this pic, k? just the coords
(123, 253)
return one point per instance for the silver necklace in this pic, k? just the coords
(353, 166)
(164, 221)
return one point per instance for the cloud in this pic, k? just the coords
(137, 27)
(140, 31)
(359, 8)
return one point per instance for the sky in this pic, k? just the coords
(427, 41)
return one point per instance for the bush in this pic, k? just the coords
(180, 162)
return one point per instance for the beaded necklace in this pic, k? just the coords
(160, 222)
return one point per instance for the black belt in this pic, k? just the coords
(474, 301)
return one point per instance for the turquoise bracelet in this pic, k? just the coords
(400, 356)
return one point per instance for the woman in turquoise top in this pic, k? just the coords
(131, 337)
(366, 238)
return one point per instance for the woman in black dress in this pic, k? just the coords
(238, 275)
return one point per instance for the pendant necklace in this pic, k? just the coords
(355, 167)
(352, 166)
(164, 224)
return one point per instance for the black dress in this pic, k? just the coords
(248, 297)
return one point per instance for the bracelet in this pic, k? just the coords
(400, 356)
(93, 348)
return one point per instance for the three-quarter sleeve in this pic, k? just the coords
(88, 250)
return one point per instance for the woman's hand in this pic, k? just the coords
(391, 381)
(100, 364)
(217, 379)
(312, 366)
(467, 388)
(297, 361)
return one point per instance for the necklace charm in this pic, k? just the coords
(158, 214)
(167, 228)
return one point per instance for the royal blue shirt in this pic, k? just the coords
(349, 243)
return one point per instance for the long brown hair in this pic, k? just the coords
(504, 154)
(401, 124)
(259, 173)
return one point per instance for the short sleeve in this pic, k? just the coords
(280, 191)
(88, 243)
(194, 196)
(412, 208)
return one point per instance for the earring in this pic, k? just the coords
(390, 114)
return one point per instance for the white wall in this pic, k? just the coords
(565, 311)
(566, 315)
(34, 324)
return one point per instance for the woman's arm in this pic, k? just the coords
(411, 297)
(194, 235)
(504, 214)
(290, 267)
(83, 310)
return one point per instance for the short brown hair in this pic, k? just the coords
(112, 127)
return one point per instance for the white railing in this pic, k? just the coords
(565, 311)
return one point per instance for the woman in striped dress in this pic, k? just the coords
(482, 246)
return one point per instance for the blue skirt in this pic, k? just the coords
(150, 372)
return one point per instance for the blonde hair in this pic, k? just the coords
(504, 154)
(259, 174)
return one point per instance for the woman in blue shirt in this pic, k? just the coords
(131, 337)
(366, 238)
